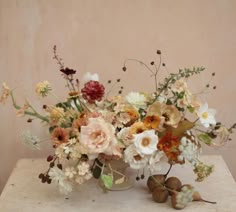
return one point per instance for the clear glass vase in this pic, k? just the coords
(121, 181)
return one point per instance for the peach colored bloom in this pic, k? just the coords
(137, 127)
(5, 93)
(60, 135)
(99, 137)
(21, 111)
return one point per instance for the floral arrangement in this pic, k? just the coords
(90, 129)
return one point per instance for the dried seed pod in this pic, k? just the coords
(155, 181)
(160, 194)
(173, 183)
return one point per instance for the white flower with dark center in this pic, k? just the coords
(146, 142)
(134, 159)
(206, 115)
(88, 76)
(137, 99)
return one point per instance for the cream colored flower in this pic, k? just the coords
(169, 112)
(5, 93)
(136, 99)
(222, 134)
(146, 142)
(70, 172)
(83, 168)
(43, 88)
(125, 136)
(133, 158)
(99, 137)
(180, 86)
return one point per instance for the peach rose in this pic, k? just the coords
(99, 137)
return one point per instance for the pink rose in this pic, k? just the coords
(99, 137)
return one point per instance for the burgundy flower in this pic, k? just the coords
(68, 71)
(93, 91)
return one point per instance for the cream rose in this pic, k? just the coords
(99, 137)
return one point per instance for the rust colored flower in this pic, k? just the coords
(59, 135)
(93, 91)
(152, 122)
(169, 144)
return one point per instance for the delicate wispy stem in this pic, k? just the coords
(34, 113)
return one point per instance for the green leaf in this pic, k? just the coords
(190, 108)
(205, 138)
(107, 180)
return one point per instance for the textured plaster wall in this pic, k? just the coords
(97, 36)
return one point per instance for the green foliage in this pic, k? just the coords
(205, 138)
(107, 180)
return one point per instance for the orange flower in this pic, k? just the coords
(137, 127)
(59, 136)
(169, 144)
(133, 113)
(152, 122)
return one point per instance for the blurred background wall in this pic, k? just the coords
(97, 36)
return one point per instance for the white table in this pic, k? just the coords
(25, 193)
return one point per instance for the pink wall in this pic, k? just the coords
(97, 36)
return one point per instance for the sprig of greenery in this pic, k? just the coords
(183, 73)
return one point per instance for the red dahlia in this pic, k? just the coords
(93, 91)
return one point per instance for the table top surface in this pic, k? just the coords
(24, 192)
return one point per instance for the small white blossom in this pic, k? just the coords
(137, 99)
(88, 76)
(30, 140)
(83, 168)
(58, 176)
(70, 172)
(206, 115)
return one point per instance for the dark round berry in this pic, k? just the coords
(124, 68)
(41, 175)
(213, 74)
(44, 179)
(109, 81)
(163, 64)
(142, 176)
(44, 106)
(214, 87)
(137, 178)
(29, 120)
(207, 85)
(49, 158)
(152, 63)
(52, 164)
(158, 51)
(59, 166)
(49, 181)
(118, 80)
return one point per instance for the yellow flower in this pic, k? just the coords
(57, 115)
(5, 93)
(43, 88)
